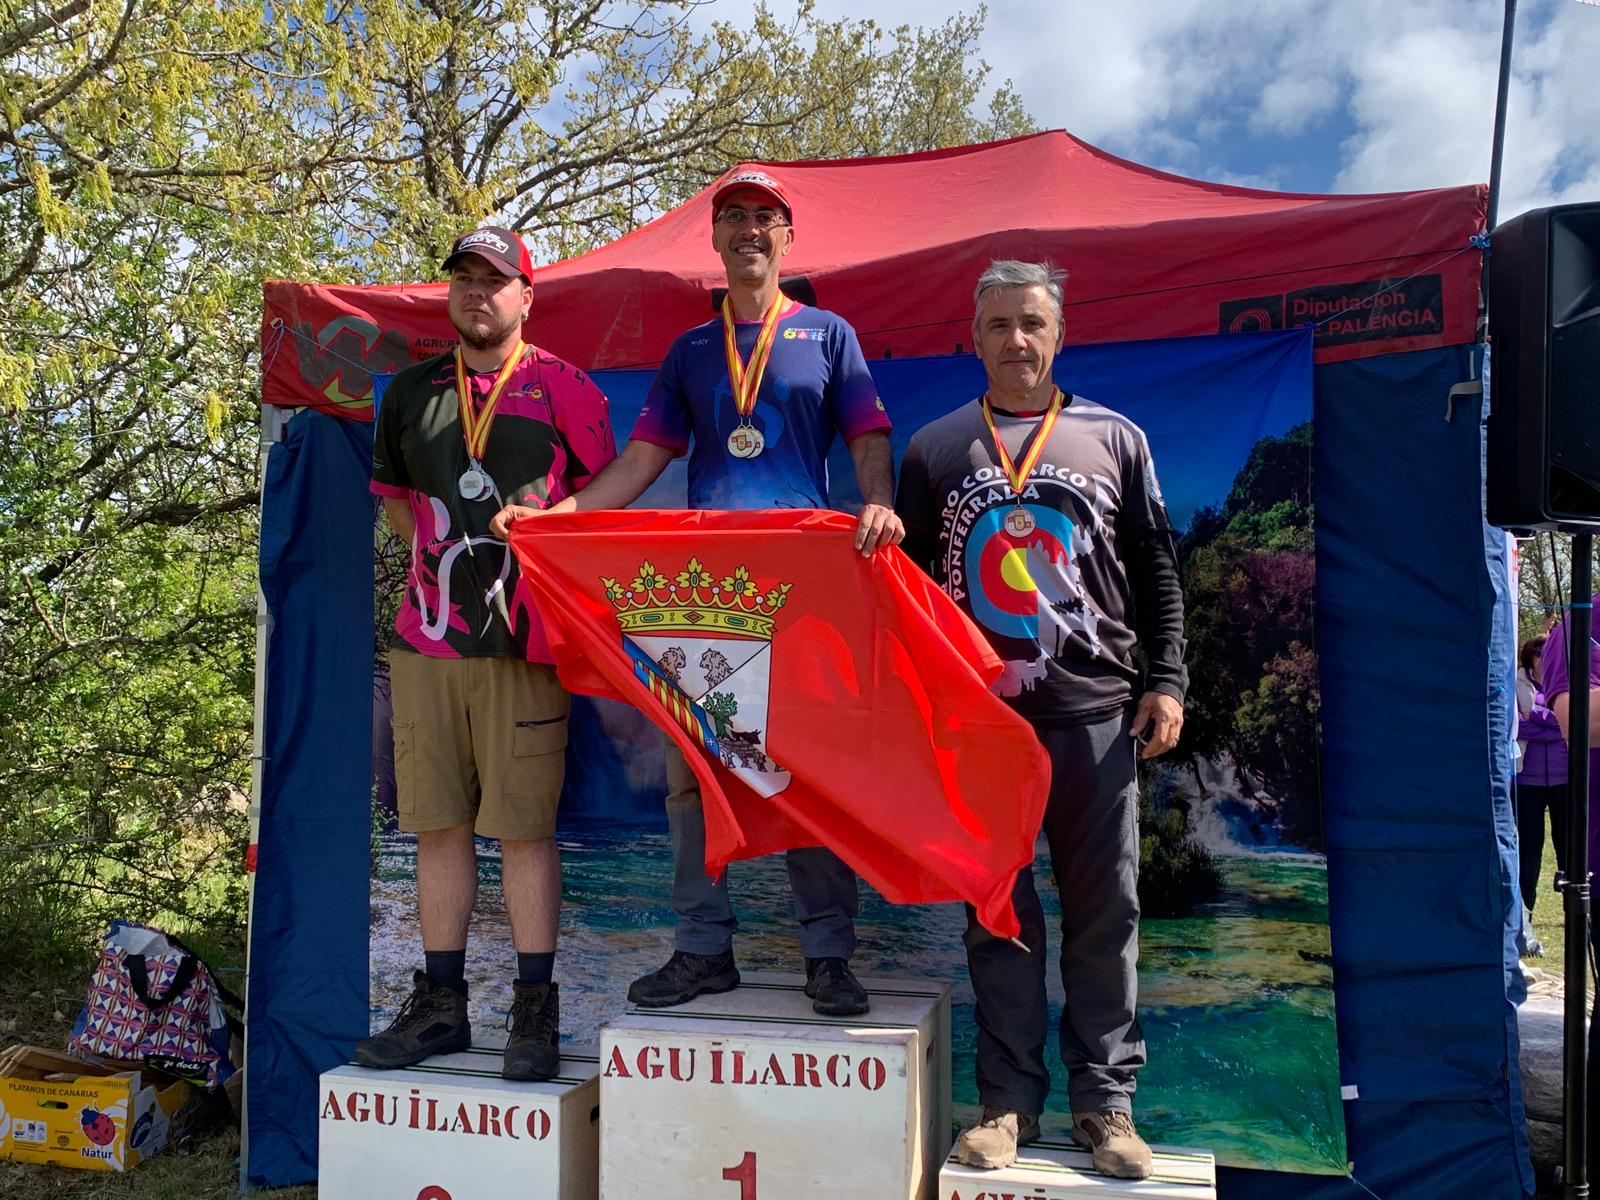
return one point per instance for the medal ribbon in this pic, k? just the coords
(475, 427)
(1017, 473)
(746, 380)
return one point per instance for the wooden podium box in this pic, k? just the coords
(752, 1090)
(450, 1128)
(1052, 1169)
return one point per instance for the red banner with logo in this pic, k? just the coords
(820, 697)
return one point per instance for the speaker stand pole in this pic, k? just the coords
(1575, 887)
(1497, 153)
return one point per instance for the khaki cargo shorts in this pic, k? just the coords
(480, 742)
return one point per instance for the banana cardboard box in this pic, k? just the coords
(62, 1110)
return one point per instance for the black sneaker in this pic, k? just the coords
(433, 1020)
(533, 1049)
(834, 989)
(684, 977)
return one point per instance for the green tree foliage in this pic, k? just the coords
(1248, 576)
(1544, 582)
(158, 160)
(574, 120)
(1175, 873)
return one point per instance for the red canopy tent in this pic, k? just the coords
(894, 245)
(1416, 796)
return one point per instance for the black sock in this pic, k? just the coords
(535, 968)
(446, 968)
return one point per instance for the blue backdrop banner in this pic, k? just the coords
(1404, 576)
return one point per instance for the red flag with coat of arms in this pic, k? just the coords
(821, 698)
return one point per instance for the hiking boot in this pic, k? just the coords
(433, 1020)
(533, 1049)
(684, 977)
(992, 1143)
(834, 989)
(1119, 1151)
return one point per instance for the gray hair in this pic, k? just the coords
(1010, 273)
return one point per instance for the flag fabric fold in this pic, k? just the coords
(821, 698)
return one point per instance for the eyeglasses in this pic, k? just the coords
(763, 218)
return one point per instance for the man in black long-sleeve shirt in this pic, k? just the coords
(1040, 514)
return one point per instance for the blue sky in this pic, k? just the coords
(1334, 96)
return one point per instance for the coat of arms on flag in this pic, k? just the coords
(703, 646)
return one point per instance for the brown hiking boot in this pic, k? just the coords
(433, 1020)
(992, 1143)
(1118, 1149)
(533, 1049)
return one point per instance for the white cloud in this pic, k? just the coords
(1370, 95)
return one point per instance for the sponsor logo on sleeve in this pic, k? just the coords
(1151, 486)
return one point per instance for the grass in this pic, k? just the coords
(40, 1013)
(1548, 920)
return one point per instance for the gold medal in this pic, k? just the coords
(1019, 522)
(1017, 473)
(746, 442)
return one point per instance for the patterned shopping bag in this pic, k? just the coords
(150, 1000)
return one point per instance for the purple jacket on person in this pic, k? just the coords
(1544, 753)
(1555, 683)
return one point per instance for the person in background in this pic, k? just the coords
(1541, 776)
(1556, 680)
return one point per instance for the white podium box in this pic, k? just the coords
(1059, 1170)
(450, 1128)
(752, 1090)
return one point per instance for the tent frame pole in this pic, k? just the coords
(272, 421)
(1575, 888)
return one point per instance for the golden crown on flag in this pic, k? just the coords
(695, 600)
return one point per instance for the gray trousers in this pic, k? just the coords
(1092, 826)
(825, 894)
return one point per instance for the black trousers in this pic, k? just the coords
(1532, 804)
(1091, 823)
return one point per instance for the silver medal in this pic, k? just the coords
(474, 484)
(1019, 522)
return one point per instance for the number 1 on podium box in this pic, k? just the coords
(744, 1175)
(752, 1090)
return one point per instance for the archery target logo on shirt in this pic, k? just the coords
(1007, 568)
(1025, 584)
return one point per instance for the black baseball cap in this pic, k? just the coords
(498, 246)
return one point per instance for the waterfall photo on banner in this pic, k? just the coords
(1236, 986)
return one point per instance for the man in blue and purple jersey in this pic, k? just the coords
(755, 397)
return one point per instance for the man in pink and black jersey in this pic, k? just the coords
(755, 397)
(480, 720)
